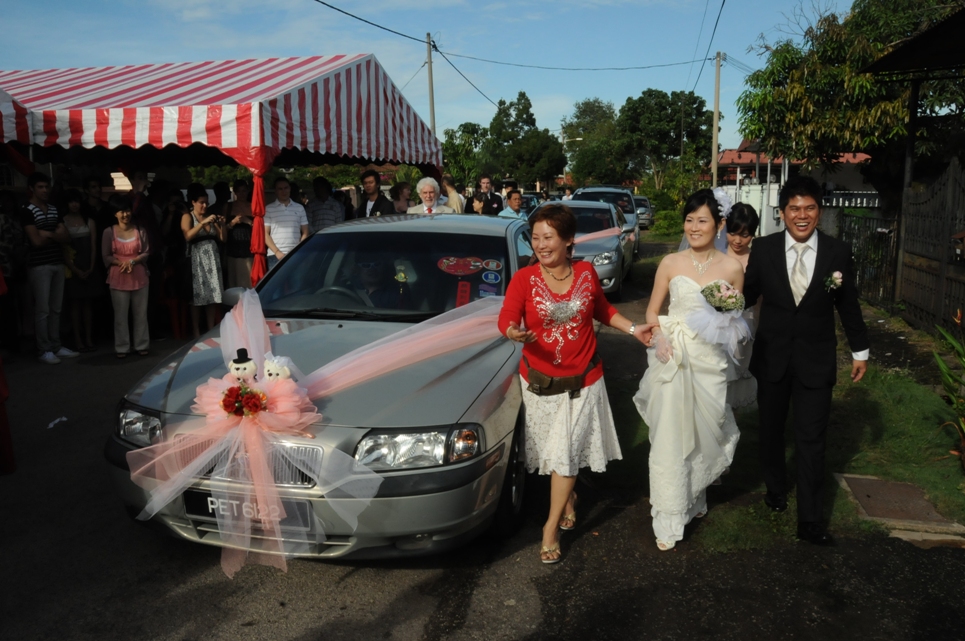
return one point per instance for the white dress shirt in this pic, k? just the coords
(810, 258)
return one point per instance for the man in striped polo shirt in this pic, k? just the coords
(45, 268)
(286, 223)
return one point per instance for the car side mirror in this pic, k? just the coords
(231, 296)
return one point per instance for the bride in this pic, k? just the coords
(683, 395)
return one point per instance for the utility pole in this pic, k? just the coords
(432, 100)
(713, 155)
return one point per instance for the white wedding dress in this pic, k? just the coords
(684, 402)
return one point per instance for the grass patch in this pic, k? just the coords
(886, 426)
(655, 237)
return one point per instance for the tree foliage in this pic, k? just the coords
(597, 151)
(459, 149)
(661, 129)
(517, 148)
(811, 102)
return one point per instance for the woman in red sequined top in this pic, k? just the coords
(550, 306)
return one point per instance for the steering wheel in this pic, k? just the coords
(343, 291)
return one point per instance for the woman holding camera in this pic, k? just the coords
(203, 232)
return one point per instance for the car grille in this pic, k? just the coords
(281, 468)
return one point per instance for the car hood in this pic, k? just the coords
(434, 392)
(598, 246)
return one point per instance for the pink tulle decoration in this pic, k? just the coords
(597, 235)
(454, 330)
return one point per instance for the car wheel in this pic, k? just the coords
(509, 513)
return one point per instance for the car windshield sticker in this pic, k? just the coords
(460, 266)
(487, 290)
(463, 294)
(492, 264)
(491, 277)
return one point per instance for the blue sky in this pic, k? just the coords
(565, 33)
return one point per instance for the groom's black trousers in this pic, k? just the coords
(812, 407)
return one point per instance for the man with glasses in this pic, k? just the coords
(428, 190)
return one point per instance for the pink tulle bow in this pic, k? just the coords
(597, 235)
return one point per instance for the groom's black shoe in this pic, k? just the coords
(777, 502)
(814, 533)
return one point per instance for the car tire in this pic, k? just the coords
(509, 515)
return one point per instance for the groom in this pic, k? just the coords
(794, 358)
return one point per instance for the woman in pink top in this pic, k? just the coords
(125, 251)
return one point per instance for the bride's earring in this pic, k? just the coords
(718, 234)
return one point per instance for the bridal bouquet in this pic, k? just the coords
(718, 320)
(723, 297)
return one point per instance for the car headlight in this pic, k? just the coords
(137, 426)
(407, 450)
(605, 258)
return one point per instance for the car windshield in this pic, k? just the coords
(386, 275)
(642, 202)
(616, 198)
(591, 219)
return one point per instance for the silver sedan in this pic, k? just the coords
(444, 434)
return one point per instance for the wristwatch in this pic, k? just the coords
(633, 329)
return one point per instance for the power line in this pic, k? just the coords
(498, 62)
(712, 34)
(463, 75)
(413, 76)
(368, 22)
(514, 64)
(697, 44)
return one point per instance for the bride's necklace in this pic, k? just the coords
(553, 276)
(701, 267)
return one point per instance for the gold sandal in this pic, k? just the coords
(552, 549)
(570, 518)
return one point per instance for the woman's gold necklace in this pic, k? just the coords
(553, 276)
(701, 268)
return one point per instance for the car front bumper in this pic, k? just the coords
(414, 513)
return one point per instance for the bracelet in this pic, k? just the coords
(633, 329)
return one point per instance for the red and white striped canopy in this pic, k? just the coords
(14, 120)
(344, 105)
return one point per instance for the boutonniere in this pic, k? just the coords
(835, 280)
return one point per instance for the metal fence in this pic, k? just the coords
(874, 243)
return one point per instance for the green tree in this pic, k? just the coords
(810, 102)
(659, 130)
(517, 148)
(597, 151)
(459, 149)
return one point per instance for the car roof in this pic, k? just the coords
(439, 223)
(582, 204)
(602, 188)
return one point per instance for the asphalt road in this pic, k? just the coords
(74, 566)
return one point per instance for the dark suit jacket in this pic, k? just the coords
(382, 207)
(802, 335)
(493, 205)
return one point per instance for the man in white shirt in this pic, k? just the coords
(286, 223)
(428, 190)
(514, 205)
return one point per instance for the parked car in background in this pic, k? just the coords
(644, 211)
(530, 201)
(445, 434)
(611, 256)
(621, 198)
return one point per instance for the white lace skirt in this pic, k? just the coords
(564, 434)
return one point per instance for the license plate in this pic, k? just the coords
(203, 505)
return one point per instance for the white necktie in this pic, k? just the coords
(799, 273)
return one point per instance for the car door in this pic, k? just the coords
(625, 240)
(522, 246)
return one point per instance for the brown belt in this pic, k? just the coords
(543, 385)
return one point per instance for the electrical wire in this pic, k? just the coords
(413, 77)
(436, 49)
(712, 34)
(700, 32)
(499, 62)
(377, 26)
(514, 64)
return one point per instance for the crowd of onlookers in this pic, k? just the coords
(162, 255)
